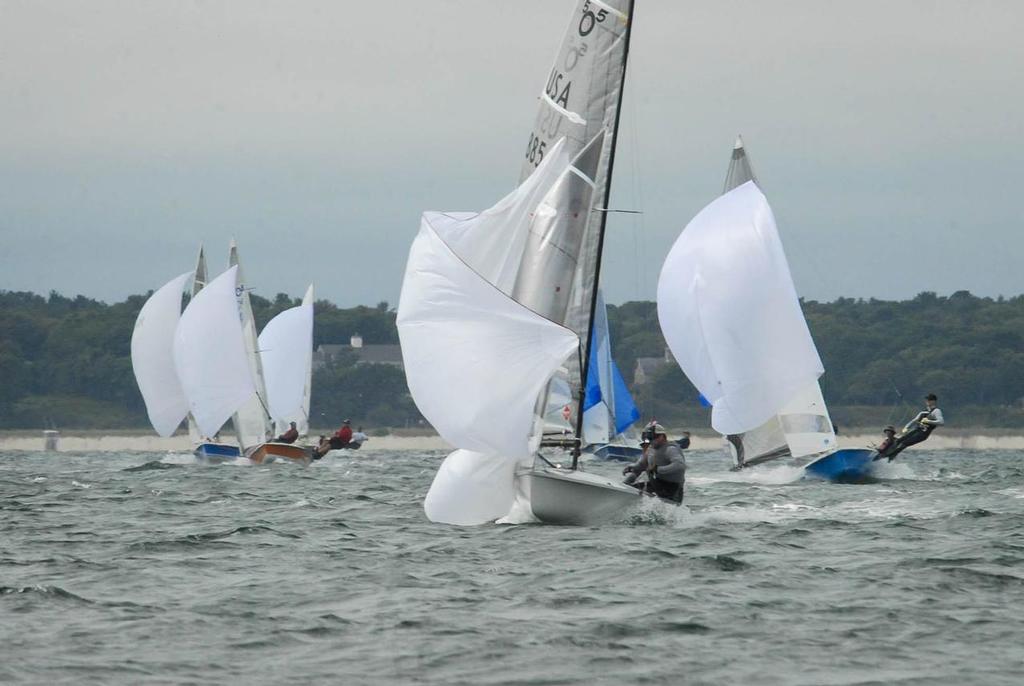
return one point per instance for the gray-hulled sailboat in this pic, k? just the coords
(495, 304)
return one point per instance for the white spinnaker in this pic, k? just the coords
(730, 313)
(209, 355)
(286, 348)
(470, 489)
(475, 359)
(252, 423)
(153, 357)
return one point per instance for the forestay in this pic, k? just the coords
(153, 357)
(730, 313)
(286, 349)
(209, 355)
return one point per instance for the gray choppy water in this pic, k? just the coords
(148, 568)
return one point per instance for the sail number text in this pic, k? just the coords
(535, 150)
(590, 18)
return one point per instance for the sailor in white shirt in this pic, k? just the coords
(917, 429)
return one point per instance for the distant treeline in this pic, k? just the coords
(65, 362)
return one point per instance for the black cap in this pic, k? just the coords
(931, 396)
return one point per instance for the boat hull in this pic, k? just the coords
(848, 465)
(619, 453)
(265, 453)
(560, 496)
(215, 453)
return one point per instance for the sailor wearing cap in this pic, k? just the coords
(664, 464)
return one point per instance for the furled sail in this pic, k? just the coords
(803, 426)
(286, 349)
(153, 357)
(252, 421)
(580, 100)
(209, 355)
(730, 313)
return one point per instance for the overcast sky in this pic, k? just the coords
(886, 135)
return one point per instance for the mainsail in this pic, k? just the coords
(252, 421)
(803, 427)
(286, 349)
(153, 357)
(198, 281)
(581, 100)
(730, 313)
(210, 357)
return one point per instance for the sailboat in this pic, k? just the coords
(252, 420)
(802, 427)
(608, 408)
(729, 312)
(210, 362)
(152, 353)
(494, 304)
(286, 351)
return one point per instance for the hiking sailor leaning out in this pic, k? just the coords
(917, 429)
(664, 464)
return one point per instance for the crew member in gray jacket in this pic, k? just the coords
(664, 463)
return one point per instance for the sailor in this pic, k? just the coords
(664, 464)
(890, 438)
(684, 442)
(358, 438)
(288, 436)
(341, 438)
(917, 429)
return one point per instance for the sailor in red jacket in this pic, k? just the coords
(339, 440)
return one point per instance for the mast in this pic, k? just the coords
(600, 238)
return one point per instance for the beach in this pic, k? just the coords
(126, 441)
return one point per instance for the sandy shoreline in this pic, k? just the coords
(90, 441)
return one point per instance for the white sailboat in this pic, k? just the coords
(731, 317)
(286, 349)
(495, 304)
(210, 361)
(802, 428)
(153, 363)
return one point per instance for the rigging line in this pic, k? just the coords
(600, 236)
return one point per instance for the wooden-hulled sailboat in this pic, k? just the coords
(253, 422)
(495, 304)
(286, 351)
